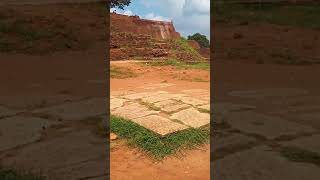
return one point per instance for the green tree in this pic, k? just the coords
(119, 3)
(201, 39)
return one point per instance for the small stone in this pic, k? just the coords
(113, 136)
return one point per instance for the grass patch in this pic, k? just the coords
(154, 145)
(121, 72)
(196, 79)
(10, 174)
(181, 65)
(97, 124)
(183, 51)
(300, 155)
(292, 15)
(204, 110)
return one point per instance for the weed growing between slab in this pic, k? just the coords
(180, 65)
(204, 110)
(300, 155)
(98, 125)
(121, 73)
(156, 146)
(10, 174)
(149, 105)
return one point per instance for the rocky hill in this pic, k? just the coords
(136, 38)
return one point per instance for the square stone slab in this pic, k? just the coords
(116, 102)
(161, 97)
(192, 117)
(269, 93)
(261, 163)
(230, 142)
(159, 125)
(156, 86)
(196, 92)
(132, 111)
(142, 95)
(206, 107)
(226, 107)
(164, 103)
(36, 101)
(191, 101)
(310, 118)
(310, 143)
(7, 112)
(76, 110)
(174, 107)
(19, 130)
(264, 125)
(75, 155)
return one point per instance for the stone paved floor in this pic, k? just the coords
(45, 136)
(254, 126)
(163, 112)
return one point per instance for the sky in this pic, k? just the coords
(188, 16)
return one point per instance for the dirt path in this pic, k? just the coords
(127, 163)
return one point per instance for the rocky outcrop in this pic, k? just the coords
(134, 24)
(194, 44)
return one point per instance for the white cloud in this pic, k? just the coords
(152, 16)
(196, 7)
(189, 16)
(124, 12)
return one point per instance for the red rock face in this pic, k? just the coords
(194, 44)
(133, 24)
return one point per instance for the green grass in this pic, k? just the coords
(183, 51)
(292, 15)
(181, 65)
(203, 110)
(10, 174)
(154, 145)
(121, 73)
(300, 155)
(97, 123)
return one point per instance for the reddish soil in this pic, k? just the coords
(127, 163)
(183, 79)
(53, 74)
(266, 43)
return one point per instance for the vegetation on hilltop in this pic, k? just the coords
(201, 39)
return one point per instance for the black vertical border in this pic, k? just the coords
(107, 73)
(212, 85)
